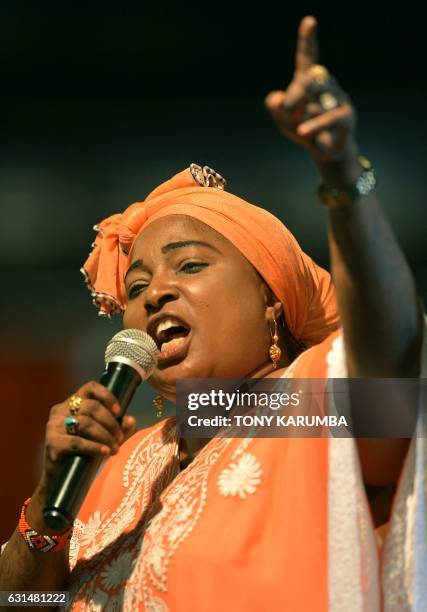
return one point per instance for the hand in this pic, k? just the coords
(327, 134)
(98, 433)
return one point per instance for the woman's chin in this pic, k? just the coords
(194, 365)
(174, 372)
(164, 380)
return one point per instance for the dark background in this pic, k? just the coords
(100, 104)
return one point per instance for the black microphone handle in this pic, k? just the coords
(78, 471)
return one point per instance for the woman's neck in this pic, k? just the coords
(189, 448)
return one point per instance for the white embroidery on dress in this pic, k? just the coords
(177, 492)
(90, 529)
(240, 478)
(119, 526)
(155, 604)
(177, 518)
(117, 571)
(78, 530)
(155, 558)
(180, 520)
(171, 504)
(156, 455)
(241, 448)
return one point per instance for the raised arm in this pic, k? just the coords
(377, 299)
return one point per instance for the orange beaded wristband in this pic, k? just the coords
(38, 541)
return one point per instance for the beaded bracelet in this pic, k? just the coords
(38, 541)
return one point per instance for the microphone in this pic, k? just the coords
(130, 358)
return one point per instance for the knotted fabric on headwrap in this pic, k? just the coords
(304, 289)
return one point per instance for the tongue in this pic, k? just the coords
(174, 342)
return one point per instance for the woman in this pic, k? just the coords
(239, 524)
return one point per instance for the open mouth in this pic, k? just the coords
(172, 338)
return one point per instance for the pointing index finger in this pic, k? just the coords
(306, 52)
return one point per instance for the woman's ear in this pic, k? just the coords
(271, 301)
(273, 312)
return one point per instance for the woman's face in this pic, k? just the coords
(201, 301)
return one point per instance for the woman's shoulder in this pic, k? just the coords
(315, 361)
(163, 429)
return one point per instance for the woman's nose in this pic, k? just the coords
(160, 291)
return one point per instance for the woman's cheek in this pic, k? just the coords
(133, 317)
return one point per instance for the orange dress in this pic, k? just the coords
(243, 527)
(251, 524)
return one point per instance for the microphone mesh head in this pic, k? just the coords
(135, 346)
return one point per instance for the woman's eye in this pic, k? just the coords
(136, 290)
(191, 267)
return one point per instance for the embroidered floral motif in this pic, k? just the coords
(117, 571)
(90, 529)
(155, 454)
(177, 518)
(241, 478)
(168, 506)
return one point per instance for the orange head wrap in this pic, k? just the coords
(305, 289)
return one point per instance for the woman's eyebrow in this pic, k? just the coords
(184, 243)
(138, 264)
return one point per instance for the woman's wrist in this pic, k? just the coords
(34, 511)
(342, 172)
(40, 541)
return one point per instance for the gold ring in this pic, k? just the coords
(319, 74)
(74, 404)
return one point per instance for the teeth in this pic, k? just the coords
(171, 343)
(166, 324)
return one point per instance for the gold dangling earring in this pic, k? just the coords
(274, 350)
(158, 403)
